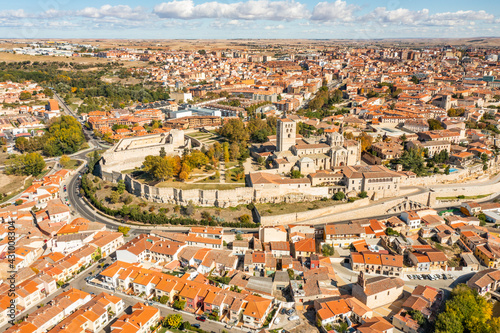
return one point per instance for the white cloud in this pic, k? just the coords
(398, 16)
(275, 27)
(403, 16)
(334, 11)
(249, 10)
(121, 12)
(8, 14)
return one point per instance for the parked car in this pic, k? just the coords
(65, 285)
(293, 318)
(277, 320)
(283, 311)
(201, 318)
(195, 325)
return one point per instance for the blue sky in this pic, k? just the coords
(181, 19)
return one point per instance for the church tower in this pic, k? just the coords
(285, 134)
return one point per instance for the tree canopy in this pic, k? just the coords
(467, 312)
(26, 164)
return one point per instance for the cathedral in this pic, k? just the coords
(308, 157)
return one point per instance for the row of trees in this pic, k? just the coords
(164, 167)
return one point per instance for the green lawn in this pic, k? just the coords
(73, 164)
(270, 209)
(231, 176)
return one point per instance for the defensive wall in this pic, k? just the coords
(130, 153)
(364, 209)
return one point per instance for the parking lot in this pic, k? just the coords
(431, 277)
(282, 319)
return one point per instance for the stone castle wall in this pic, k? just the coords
(217, 198)
(363, 209)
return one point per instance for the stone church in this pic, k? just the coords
(308, 156)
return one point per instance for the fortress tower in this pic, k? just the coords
(285, 134)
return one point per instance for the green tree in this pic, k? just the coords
(25, 95)
(124, 230)
(434, 124)
(22, 144)
(363, 194)
(235, 131)
(417, 316)
(64, 160)
(164, 299)
(245, 218)
(179, 305)
(296, 174)
(238, 237)
(174, 320)
(120, 186)
(341, 327)
(114, 197)
(413, 160)
(26, 164)
(466, 311)
(163, 153)
(339, 196)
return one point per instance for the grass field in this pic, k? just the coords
(73, 164)
(296, 207)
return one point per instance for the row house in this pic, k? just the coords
(210, 243)
(50, 315)
(343, 234)
(330, 311)
(485, 281)
(93, 316)
(426, 258)
(377, 263)
(142, 318)
(208, 232)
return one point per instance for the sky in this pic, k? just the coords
(228, 19)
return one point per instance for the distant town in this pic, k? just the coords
(253, 188)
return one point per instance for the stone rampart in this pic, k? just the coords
(285, 219)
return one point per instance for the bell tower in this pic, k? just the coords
(285, 134)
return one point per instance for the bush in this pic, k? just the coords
(363, 194)
(339, 196)
(244, 218)
(327, 250)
